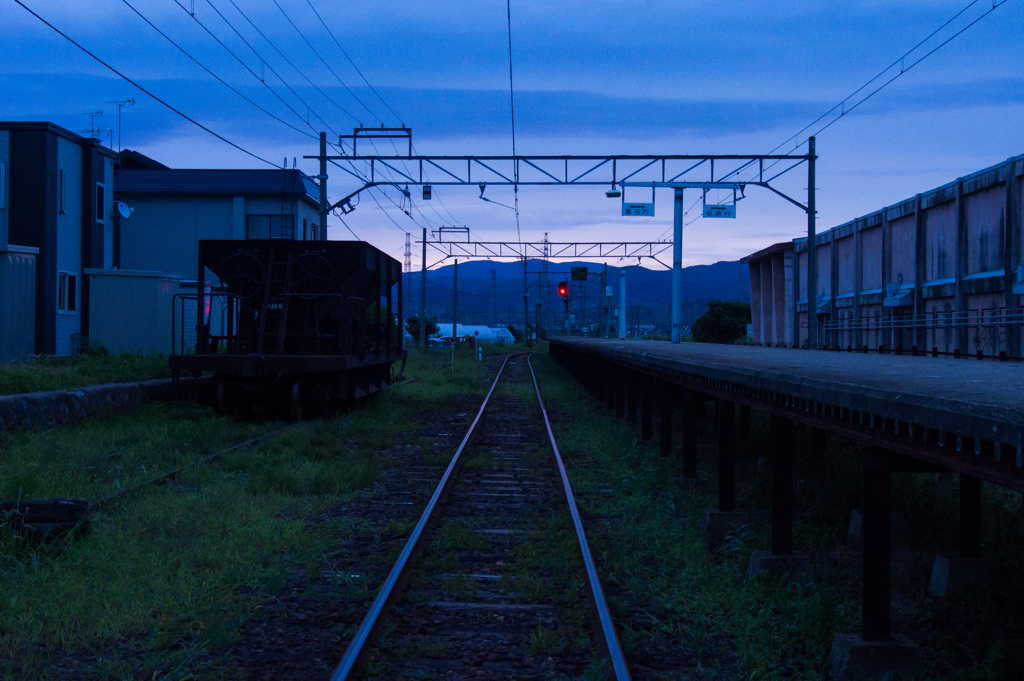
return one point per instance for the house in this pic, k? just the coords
(56, 206)
(170, 211)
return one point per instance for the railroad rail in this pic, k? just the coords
(506, 492)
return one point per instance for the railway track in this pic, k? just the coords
(485, 586)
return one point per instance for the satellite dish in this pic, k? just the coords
(124, 210)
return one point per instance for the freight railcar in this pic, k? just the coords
(301, 325)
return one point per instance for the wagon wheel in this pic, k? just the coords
(243, 274)
(312, 274)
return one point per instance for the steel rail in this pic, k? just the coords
(605, 628)
(392, 587)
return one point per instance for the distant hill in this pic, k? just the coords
(651, 289)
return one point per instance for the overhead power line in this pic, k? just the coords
(218, 78)
(144, 90)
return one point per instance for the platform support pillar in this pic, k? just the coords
(632, 396)
(620, 393)
(782, 485)
(647, 409)
(744, 421)
(690, 407)
(726, 456)
(666, 398)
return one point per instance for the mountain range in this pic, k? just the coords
(648, 292)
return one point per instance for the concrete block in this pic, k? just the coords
(852, 659)
(855, 534)
(952, 573)
(717, 524)
(790, 567)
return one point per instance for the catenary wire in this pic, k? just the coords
(218, 78)
(156, 98)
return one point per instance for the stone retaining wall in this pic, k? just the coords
(64, 407)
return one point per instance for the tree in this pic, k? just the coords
(722, 323)
(412, 325)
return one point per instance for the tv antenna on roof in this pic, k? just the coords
(120, 105)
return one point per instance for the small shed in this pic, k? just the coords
(18, 309)
(131, 310)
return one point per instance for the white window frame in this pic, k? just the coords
(62, 190)
(63, 299)
(101, 209)
(3, 186)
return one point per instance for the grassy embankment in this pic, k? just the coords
(669, 588)
(162, 580)
(67, 373)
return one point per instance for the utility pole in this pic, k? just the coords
(322, 236)
(423, 295)
(494, 297)
(583, 305)
(455, 304)
(677, 266)
(408, 252)
(622, 304)
(544, 292)
(536, 317)
(526, 306)
(812, 253)
(604, 302)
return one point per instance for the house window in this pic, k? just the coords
(62, 190)
(67, 291)
(312, 232)
(270, 227)
(100, 209)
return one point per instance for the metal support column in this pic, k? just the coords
(622, 304)
(665, 397)
(877, 553)
(970, 516)
(726, 456)
(322, 234)
(455, 302)
(526, 308)
(677, 266)
(423, 294)
(690, 401)
(782, 486)
(812, 252)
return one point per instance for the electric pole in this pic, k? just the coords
(423, 295)
(322, 236)
(526, 306)
(494, 298)
(812, 254)
(455, 303)
(622, 304)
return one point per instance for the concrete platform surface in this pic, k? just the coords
(970, 398)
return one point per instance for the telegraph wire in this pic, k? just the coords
(331, 33)
(512, 102)
(297, 70)
(246, 66)
(158, 99)
(219, 79)
(324, 61)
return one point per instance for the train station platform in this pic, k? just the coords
(960, 414)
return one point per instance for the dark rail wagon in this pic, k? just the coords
(298, 324)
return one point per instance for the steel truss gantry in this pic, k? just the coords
(676, 171)
(549, 250)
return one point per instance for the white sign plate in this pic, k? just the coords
(712, 211)
(638, 209)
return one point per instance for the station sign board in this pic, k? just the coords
(645, 210)
(720, 211)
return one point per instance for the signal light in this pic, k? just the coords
(563, 289)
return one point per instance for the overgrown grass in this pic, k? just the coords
(66, 373)
(162, 580)
(670, 589)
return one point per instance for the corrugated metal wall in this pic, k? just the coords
(18, 311)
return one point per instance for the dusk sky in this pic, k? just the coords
(590, 78)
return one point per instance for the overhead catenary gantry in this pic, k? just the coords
(678, 172)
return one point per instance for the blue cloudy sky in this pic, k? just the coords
(596, 77)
